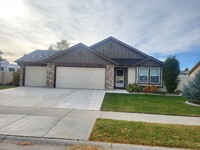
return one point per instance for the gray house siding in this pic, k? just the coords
(113, 49)
(79, 55)
(150, 63)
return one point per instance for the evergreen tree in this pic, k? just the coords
(171, 71)
(192, 90)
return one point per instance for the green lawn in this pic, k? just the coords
(151, 104)
(153, 134)
(2, 87)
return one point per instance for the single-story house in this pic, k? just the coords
(107, 64)
(194, 70)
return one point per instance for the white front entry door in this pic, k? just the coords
(119, 78)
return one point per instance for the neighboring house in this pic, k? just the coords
(194, 70)
(107, 64)
(183, 72)
(6, 66)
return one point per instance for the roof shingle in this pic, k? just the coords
(37, 56)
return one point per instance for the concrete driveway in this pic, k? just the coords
(52, 98)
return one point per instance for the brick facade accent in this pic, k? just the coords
(50, 75)
(110, 70)
(21, 76)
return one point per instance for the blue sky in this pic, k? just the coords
(158, 27)
(186, 59)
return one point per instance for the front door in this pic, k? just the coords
(119, 78)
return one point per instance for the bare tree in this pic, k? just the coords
(60, 45)
(51, 47)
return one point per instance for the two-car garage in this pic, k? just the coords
(78, 67)
(67, 77)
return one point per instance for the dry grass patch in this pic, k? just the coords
(85, 147)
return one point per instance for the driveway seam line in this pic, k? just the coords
(19, 118)
(56, 123)
(3, 139)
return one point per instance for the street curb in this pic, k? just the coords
(53, 141)
(70, 142)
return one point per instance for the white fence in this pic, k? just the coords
(183, 81)
(6, 77)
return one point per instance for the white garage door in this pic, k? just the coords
(79, 77)
(35, 76)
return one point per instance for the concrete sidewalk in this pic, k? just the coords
(19, 112)
(68, 123)
(183, 120)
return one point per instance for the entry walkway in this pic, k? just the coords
(70, 123)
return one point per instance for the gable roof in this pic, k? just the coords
(76, 46)
(120, 42)
(150, 58)
(195, 66)
(37, 56)
(43, 56)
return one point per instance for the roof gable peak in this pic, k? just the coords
(120, 42)
(76, 46)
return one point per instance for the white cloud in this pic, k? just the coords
(157, 26)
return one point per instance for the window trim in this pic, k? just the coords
(156, 76)
(139, 76)
(149, 76)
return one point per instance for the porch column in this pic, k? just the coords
(110, 70)
(50, 78)
(21, 76)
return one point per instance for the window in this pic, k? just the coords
(143, 74)
(2, 69)
(155, 75)
(11, 69)
(120, 72)
(149, 75)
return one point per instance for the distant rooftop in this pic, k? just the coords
(183, 72)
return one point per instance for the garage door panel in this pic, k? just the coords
(79, 77)
(35, 76)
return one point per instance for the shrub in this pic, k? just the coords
(177, 92)
(150, 89)
(16, 77)
(192, 90)
(153, 88)
(146, 89)
(134, 88)
(171, 72)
